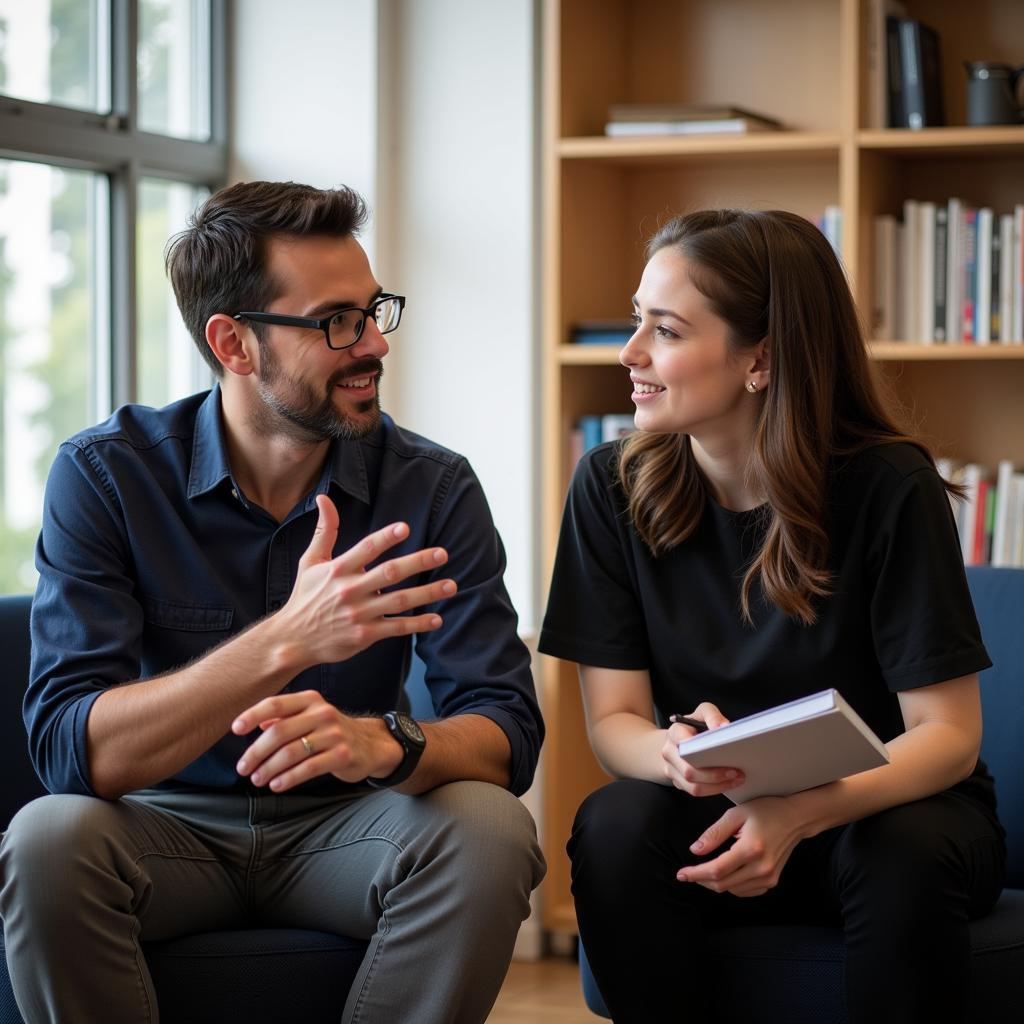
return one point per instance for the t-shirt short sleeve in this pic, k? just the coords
(922, 617)
(593, 614)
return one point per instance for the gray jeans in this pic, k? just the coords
(438, 884)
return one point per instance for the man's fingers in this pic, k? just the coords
(321, 547)
(371, 547)
(397, 602)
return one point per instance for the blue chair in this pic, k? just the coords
(260, 975)
(795, 974)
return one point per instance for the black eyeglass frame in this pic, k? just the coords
(324, 323)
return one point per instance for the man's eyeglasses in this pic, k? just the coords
(343, 328)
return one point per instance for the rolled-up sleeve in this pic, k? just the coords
(476, 663)
(86, 621)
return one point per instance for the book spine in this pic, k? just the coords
(926, 272)
(983, 277)
(883, 325)
(877, 60)
(941, 271)
(931, 75)
(972, 476)
(994, 284)
(591, 429)
(616, 425)
(911, 271)
(968, 237)
(910, 62)
(1000, 548)
(1018, 273)
(1006, 278)
(954, 269)
(895, 83)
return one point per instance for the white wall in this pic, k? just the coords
(439, 134)
(304, 94)
(458, 236)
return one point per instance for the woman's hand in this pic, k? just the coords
(682, 775)
(766, 830)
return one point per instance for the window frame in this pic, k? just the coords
(112, 145)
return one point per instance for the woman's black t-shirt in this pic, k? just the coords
(899, 616)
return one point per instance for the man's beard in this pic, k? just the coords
(307, 417)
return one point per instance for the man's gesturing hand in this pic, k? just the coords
(336, 608)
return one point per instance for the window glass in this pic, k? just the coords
(53, 381)
(174, 67)
(169, 364)
(56, 51)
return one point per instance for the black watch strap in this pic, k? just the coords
(409, 736)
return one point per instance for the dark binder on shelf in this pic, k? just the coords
(894, 82)
(921, 78)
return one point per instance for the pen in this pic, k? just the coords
(693, 723)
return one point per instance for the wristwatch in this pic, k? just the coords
(408, 733)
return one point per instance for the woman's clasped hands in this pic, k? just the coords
(766, 830)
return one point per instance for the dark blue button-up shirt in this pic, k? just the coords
(150, 555)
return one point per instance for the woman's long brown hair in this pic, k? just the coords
(771, 275)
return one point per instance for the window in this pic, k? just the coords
(112, 122)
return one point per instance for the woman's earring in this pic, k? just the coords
(752, 386)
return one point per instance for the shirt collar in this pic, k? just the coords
(345, 467)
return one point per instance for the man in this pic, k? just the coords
(228, 587)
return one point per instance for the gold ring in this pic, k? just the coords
(306, 745)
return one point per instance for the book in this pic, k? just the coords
(1005, 289)
(720, 126)
(1001, 539)
(832, 228)
(894, 73)
(883, 311)
(789, 748)
(1017, 273)
(970, 477)
(926, 257)
(983, 277)
(967, 240)
(590, 426)
(922, 81)
(617, 425)
(683, 112)
(994, 282)
(941, 271)
(954, 270)
(601, 332)
(910, 273)
(877, 61)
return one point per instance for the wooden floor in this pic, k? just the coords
(546, 992)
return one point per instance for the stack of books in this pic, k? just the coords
(990, 520)
(615, 331)
(949, 272)
(590, 431)
(632, 119)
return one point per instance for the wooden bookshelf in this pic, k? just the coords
(803, 62)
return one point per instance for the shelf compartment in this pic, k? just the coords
(777, 58)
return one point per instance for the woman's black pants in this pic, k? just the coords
(902, 884)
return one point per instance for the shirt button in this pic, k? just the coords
(234, 493)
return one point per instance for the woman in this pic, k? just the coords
(767, 533)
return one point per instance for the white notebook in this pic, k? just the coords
(789, 748)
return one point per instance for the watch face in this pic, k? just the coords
(410, 727)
